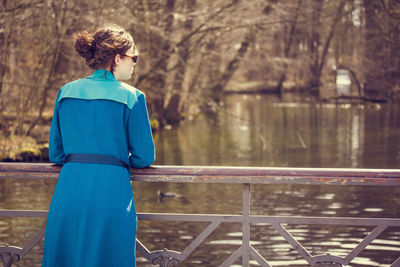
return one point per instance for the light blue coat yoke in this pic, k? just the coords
(98, 86)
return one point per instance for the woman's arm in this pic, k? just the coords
(56, 149)
(141, 145)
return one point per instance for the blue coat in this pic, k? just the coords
(92, 217)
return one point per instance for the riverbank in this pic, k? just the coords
(16, 148)
(34, 147)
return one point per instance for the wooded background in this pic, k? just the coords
(192, 51)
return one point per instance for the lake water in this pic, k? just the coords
(256, 130)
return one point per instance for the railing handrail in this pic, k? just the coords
(225, 174)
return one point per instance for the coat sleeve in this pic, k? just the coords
(141, 145)
(56, 149)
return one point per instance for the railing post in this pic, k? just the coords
(246, 225)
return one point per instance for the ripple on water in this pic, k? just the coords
(366, 262)
(299, 262)
(335, 206)
(372, 247)
(233, 242)
(328, 212)
(186, 237)
(387, 242)
(373, 210)
(327, 196)
(235, 234)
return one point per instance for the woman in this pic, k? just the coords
(99, 130)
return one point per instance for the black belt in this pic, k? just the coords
(97, 159)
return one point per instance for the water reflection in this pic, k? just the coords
(256, 131)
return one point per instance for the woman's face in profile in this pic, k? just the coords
(126, 64)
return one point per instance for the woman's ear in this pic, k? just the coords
(117, 59)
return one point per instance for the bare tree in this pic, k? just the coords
(382, 25)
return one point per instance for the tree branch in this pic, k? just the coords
(331, 34)
(186, 38)
(391, 14)
(22, 6)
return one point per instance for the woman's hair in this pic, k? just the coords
(100, 48)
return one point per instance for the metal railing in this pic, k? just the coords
(236, 175)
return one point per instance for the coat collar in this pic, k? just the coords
(103, 74)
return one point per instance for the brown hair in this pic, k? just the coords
(100, 48)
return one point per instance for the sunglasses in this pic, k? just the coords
(133, 57)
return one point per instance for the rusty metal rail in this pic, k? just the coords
(239, 175)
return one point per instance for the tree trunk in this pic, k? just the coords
(288, 45)
(232, 66)
(4, 39)
(393, 70)
(182, 68)
(314, 44)
(166, 66)
(375, 49)
(175, 67)
(319, 60)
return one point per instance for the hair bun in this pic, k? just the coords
(85, 44)
(100, 47)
